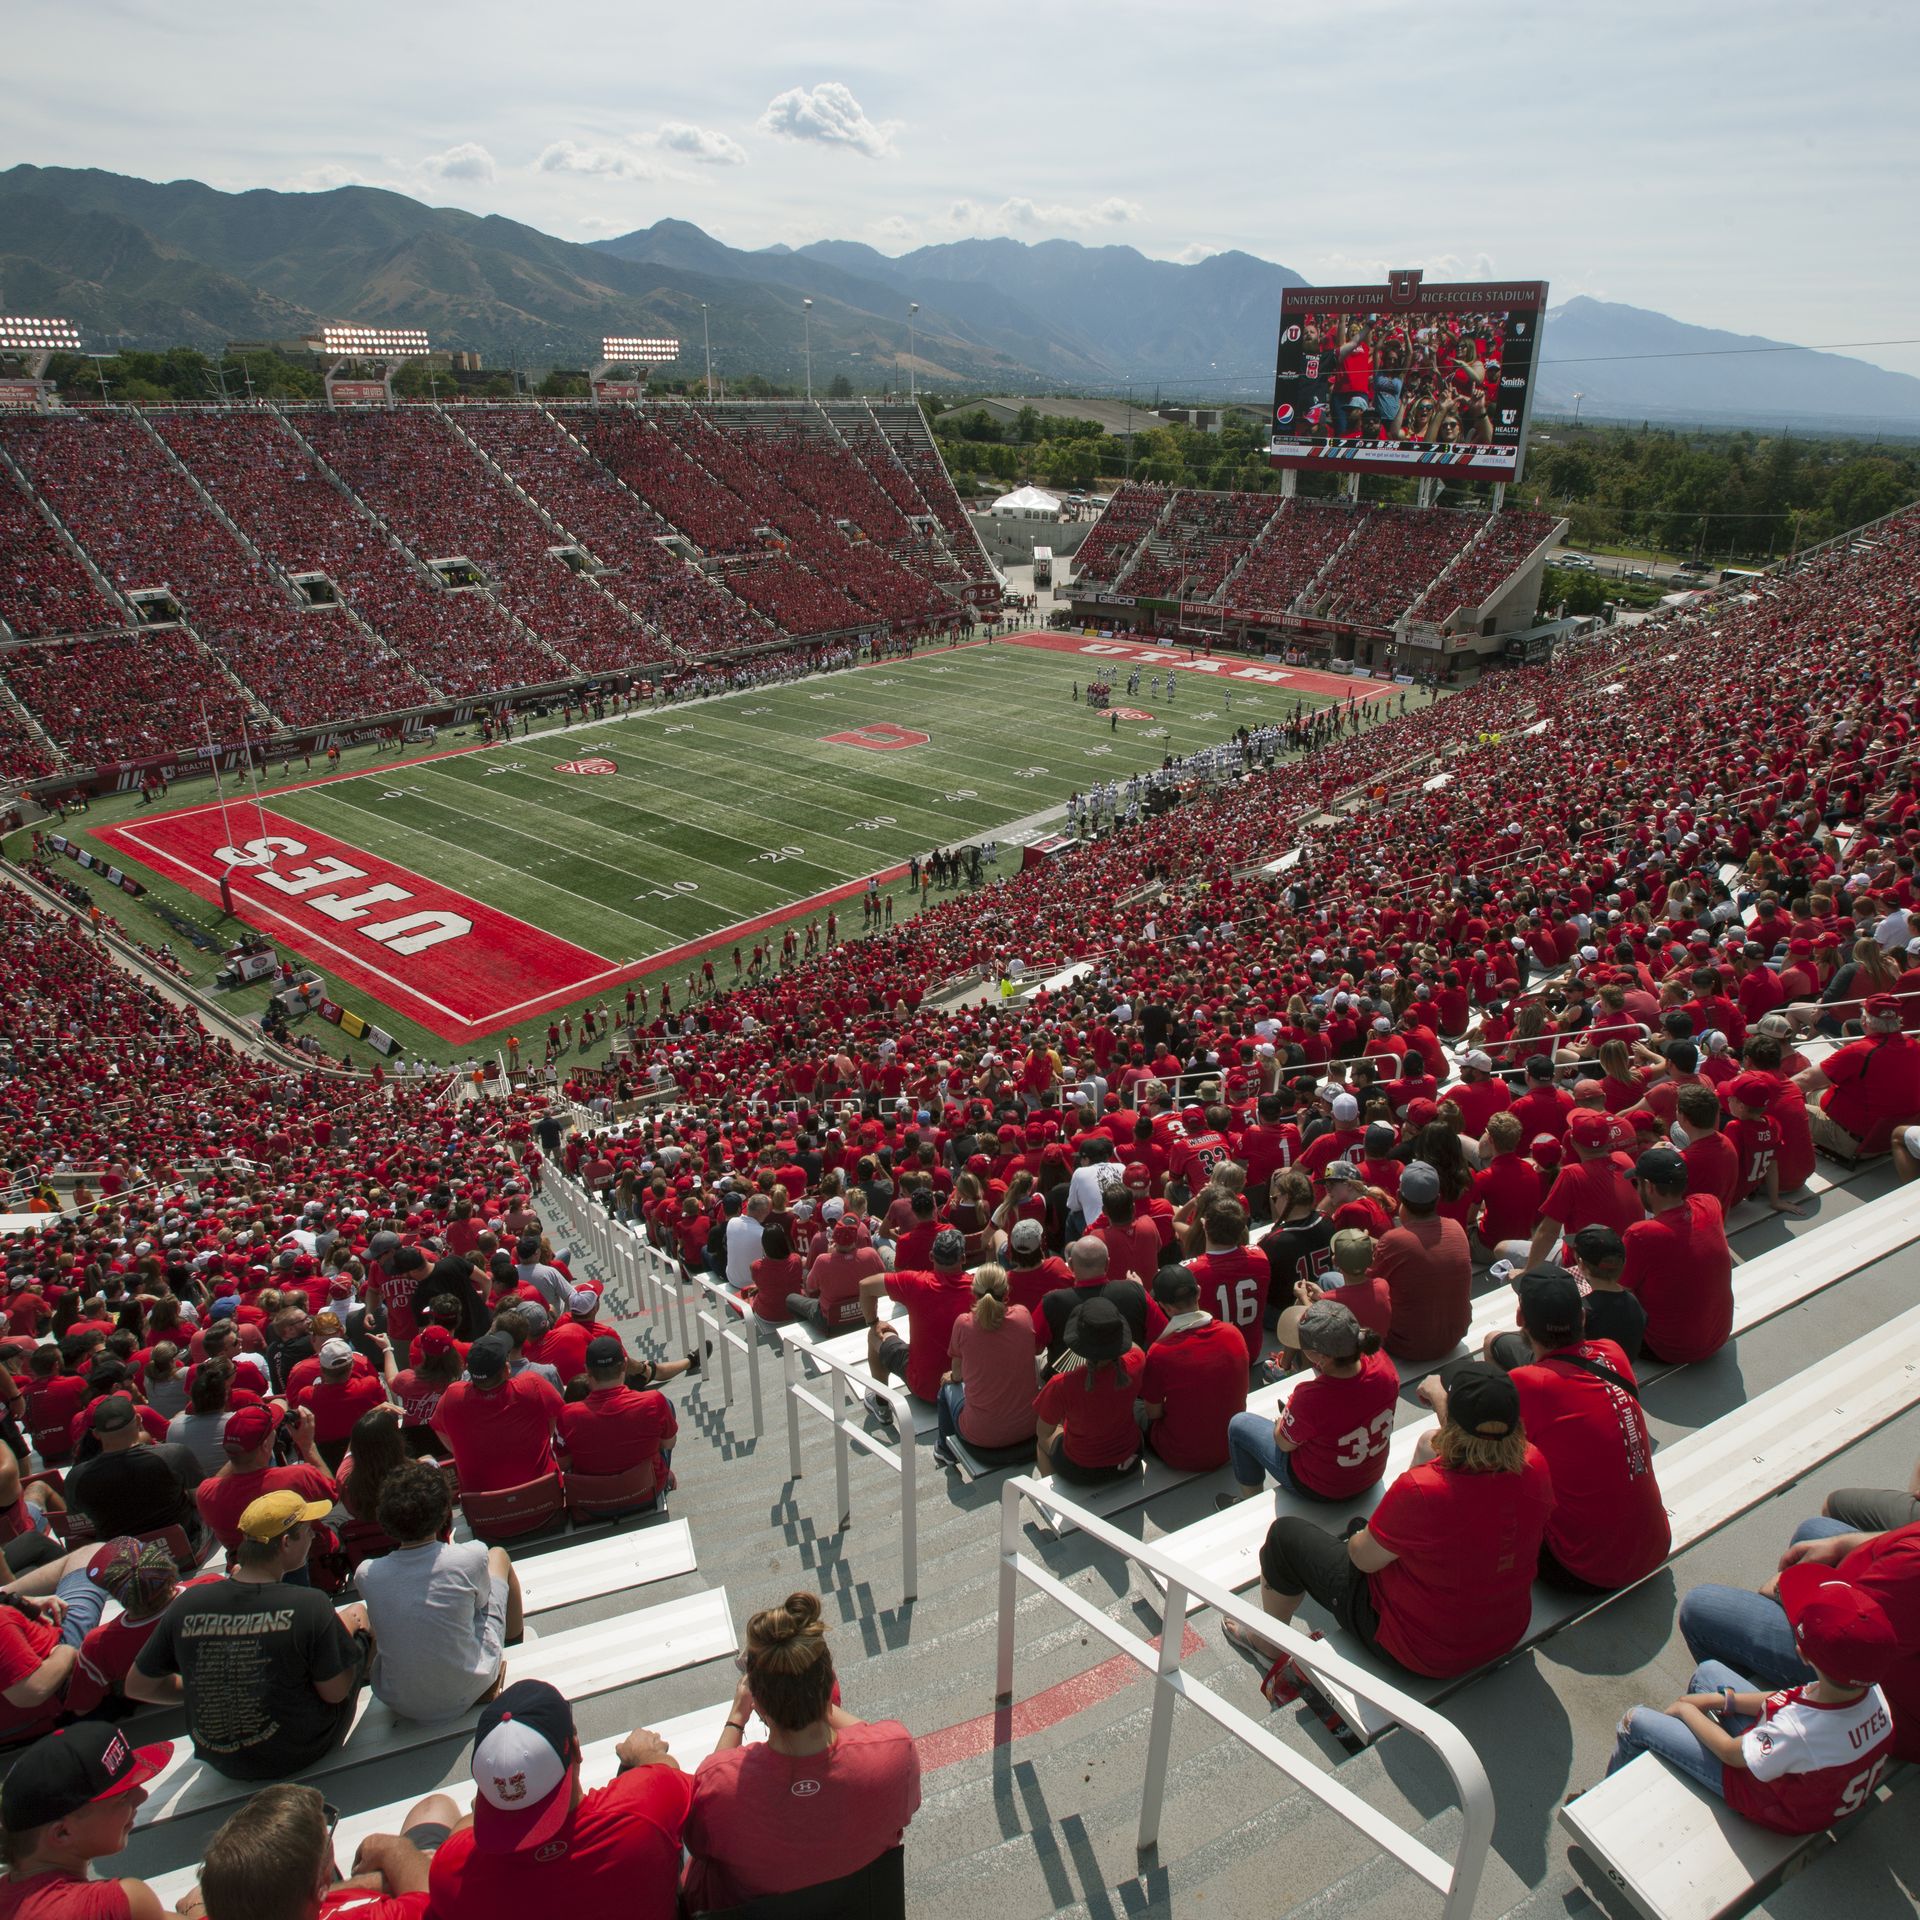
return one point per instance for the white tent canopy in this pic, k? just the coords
(1027, 503)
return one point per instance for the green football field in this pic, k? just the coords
(716, 813)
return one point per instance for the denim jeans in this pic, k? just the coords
(1747, 1632)
(85, 1602)
(1253, 1451)
(946, 1411)
(1648, 1730)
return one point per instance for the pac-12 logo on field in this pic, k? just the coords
(878, 736)
(586, 766)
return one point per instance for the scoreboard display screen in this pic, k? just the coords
(1407, 378)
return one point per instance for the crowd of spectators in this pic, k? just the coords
(1287, 557)
(1505, 540)
(1129, 515)
(24, 754)
(1398, 554)
(1202, 538)
(791, 595)
(443, 499)
(43, 588)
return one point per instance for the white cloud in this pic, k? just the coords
(613, 163)
(468, 161)
(1019, 214)
(1193, 253)
(707, 145)
(327, 177)
(896, 226)
(830, 116)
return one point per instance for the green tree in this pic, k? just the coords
(840, 388)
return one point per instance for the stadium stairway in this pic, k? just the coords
(1033, 1810)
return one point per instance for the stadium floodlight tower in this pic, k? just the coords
(31, 344)
(627, 354)
(375, 353)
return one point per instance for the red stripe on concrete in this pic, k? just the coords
(968, 1739)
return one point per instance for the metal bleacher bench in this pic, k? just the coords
(582, 1661)
(1678, 1852)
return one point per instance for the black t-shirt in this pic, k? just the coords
(1294, 1252)
(140, 1490)
(1618, 1317)
(251, 1653)
(1056, 1309)
(547, 1131)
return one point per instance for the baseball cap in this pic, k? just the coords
(1551, 1306)
(1753, 1089)
(73, 1768)
(1420, 1183)
(432, 1340)
(604, 1350)
(1662, 1167)
(1328, 1327)
(1481, 1400)
(246, 1429)
(1586, 1128)
(1380, 1139)
(1173, 1282)
(273, 1515)
(1028, 1236)
(139, 1574)
(583, 1301)
(113, 1414)
(949, 1247)
(1343, 1170)
(1136, 1174)
(1838, 1627)
(522, 1753)
(488, 1357)
(1478, 1061)
(1346, 1109)
(335, 1354)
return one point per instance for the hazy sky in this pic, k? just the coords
(1745, 165)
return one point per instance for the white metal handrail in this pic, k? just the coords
(1456, 1880)
(849, 1388)
(725, 1307)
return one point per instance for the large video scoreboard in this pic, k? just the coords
(1407, 378)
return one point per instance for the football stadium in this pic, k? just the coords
(641, 1077)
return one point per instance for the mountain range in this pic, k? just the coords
(140, 263)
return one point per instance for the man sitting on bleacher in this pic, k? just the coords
(500, 1428)
(1195, 1378)
(1867, 1087)
(1428, 1268)
(267, 1671)
(614, 1428)
(934, 1300)
(1679, 1266)
(1580, 1405)
(1800, 1758)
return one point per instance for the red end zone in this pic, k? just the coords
(1234, 668)
(456, 966)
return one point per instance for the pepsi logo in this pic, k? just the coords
(1283, 416)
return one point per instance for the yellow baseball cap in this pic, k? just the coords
(276, 1514)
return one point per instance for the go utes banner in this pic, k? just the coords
(455, 965)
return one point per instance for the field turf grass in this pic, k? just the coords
(721, 812)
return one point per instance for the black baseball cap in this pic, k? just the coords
(603, 1350)
(1552, 1307)
(72, 1768)
(1174, 1282)
(1481, 1400)
(1661, 1167)
(489, 1356)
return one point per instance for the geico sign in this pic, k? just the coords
(410, 933)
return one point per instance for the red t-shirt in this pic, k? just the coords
(1543, 1110)
(107, 1655)
(1369, 1300)
(1888, 1567)
(24, 1646)
(1461, 1591)
(1096, 1421)
(225, 1496)
(933, 1302)
(1199, 1374)
(996, 1369)
(1713, 1167)
(1876, 1086)
(503, 1438)
(336, 1406)
(1593, 1193)
(1608, 1524)
(1028, 1286)
(765, 1823)
(617, 1852)
(1341, 1429)
(1429, 1273)
(616, 1428)
(55, 1895)
(773, 1280)
(1680, 1269)
(1233, 1288)
(1507, 1189)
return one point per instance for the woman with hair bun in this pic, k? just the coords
(821, 1798)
